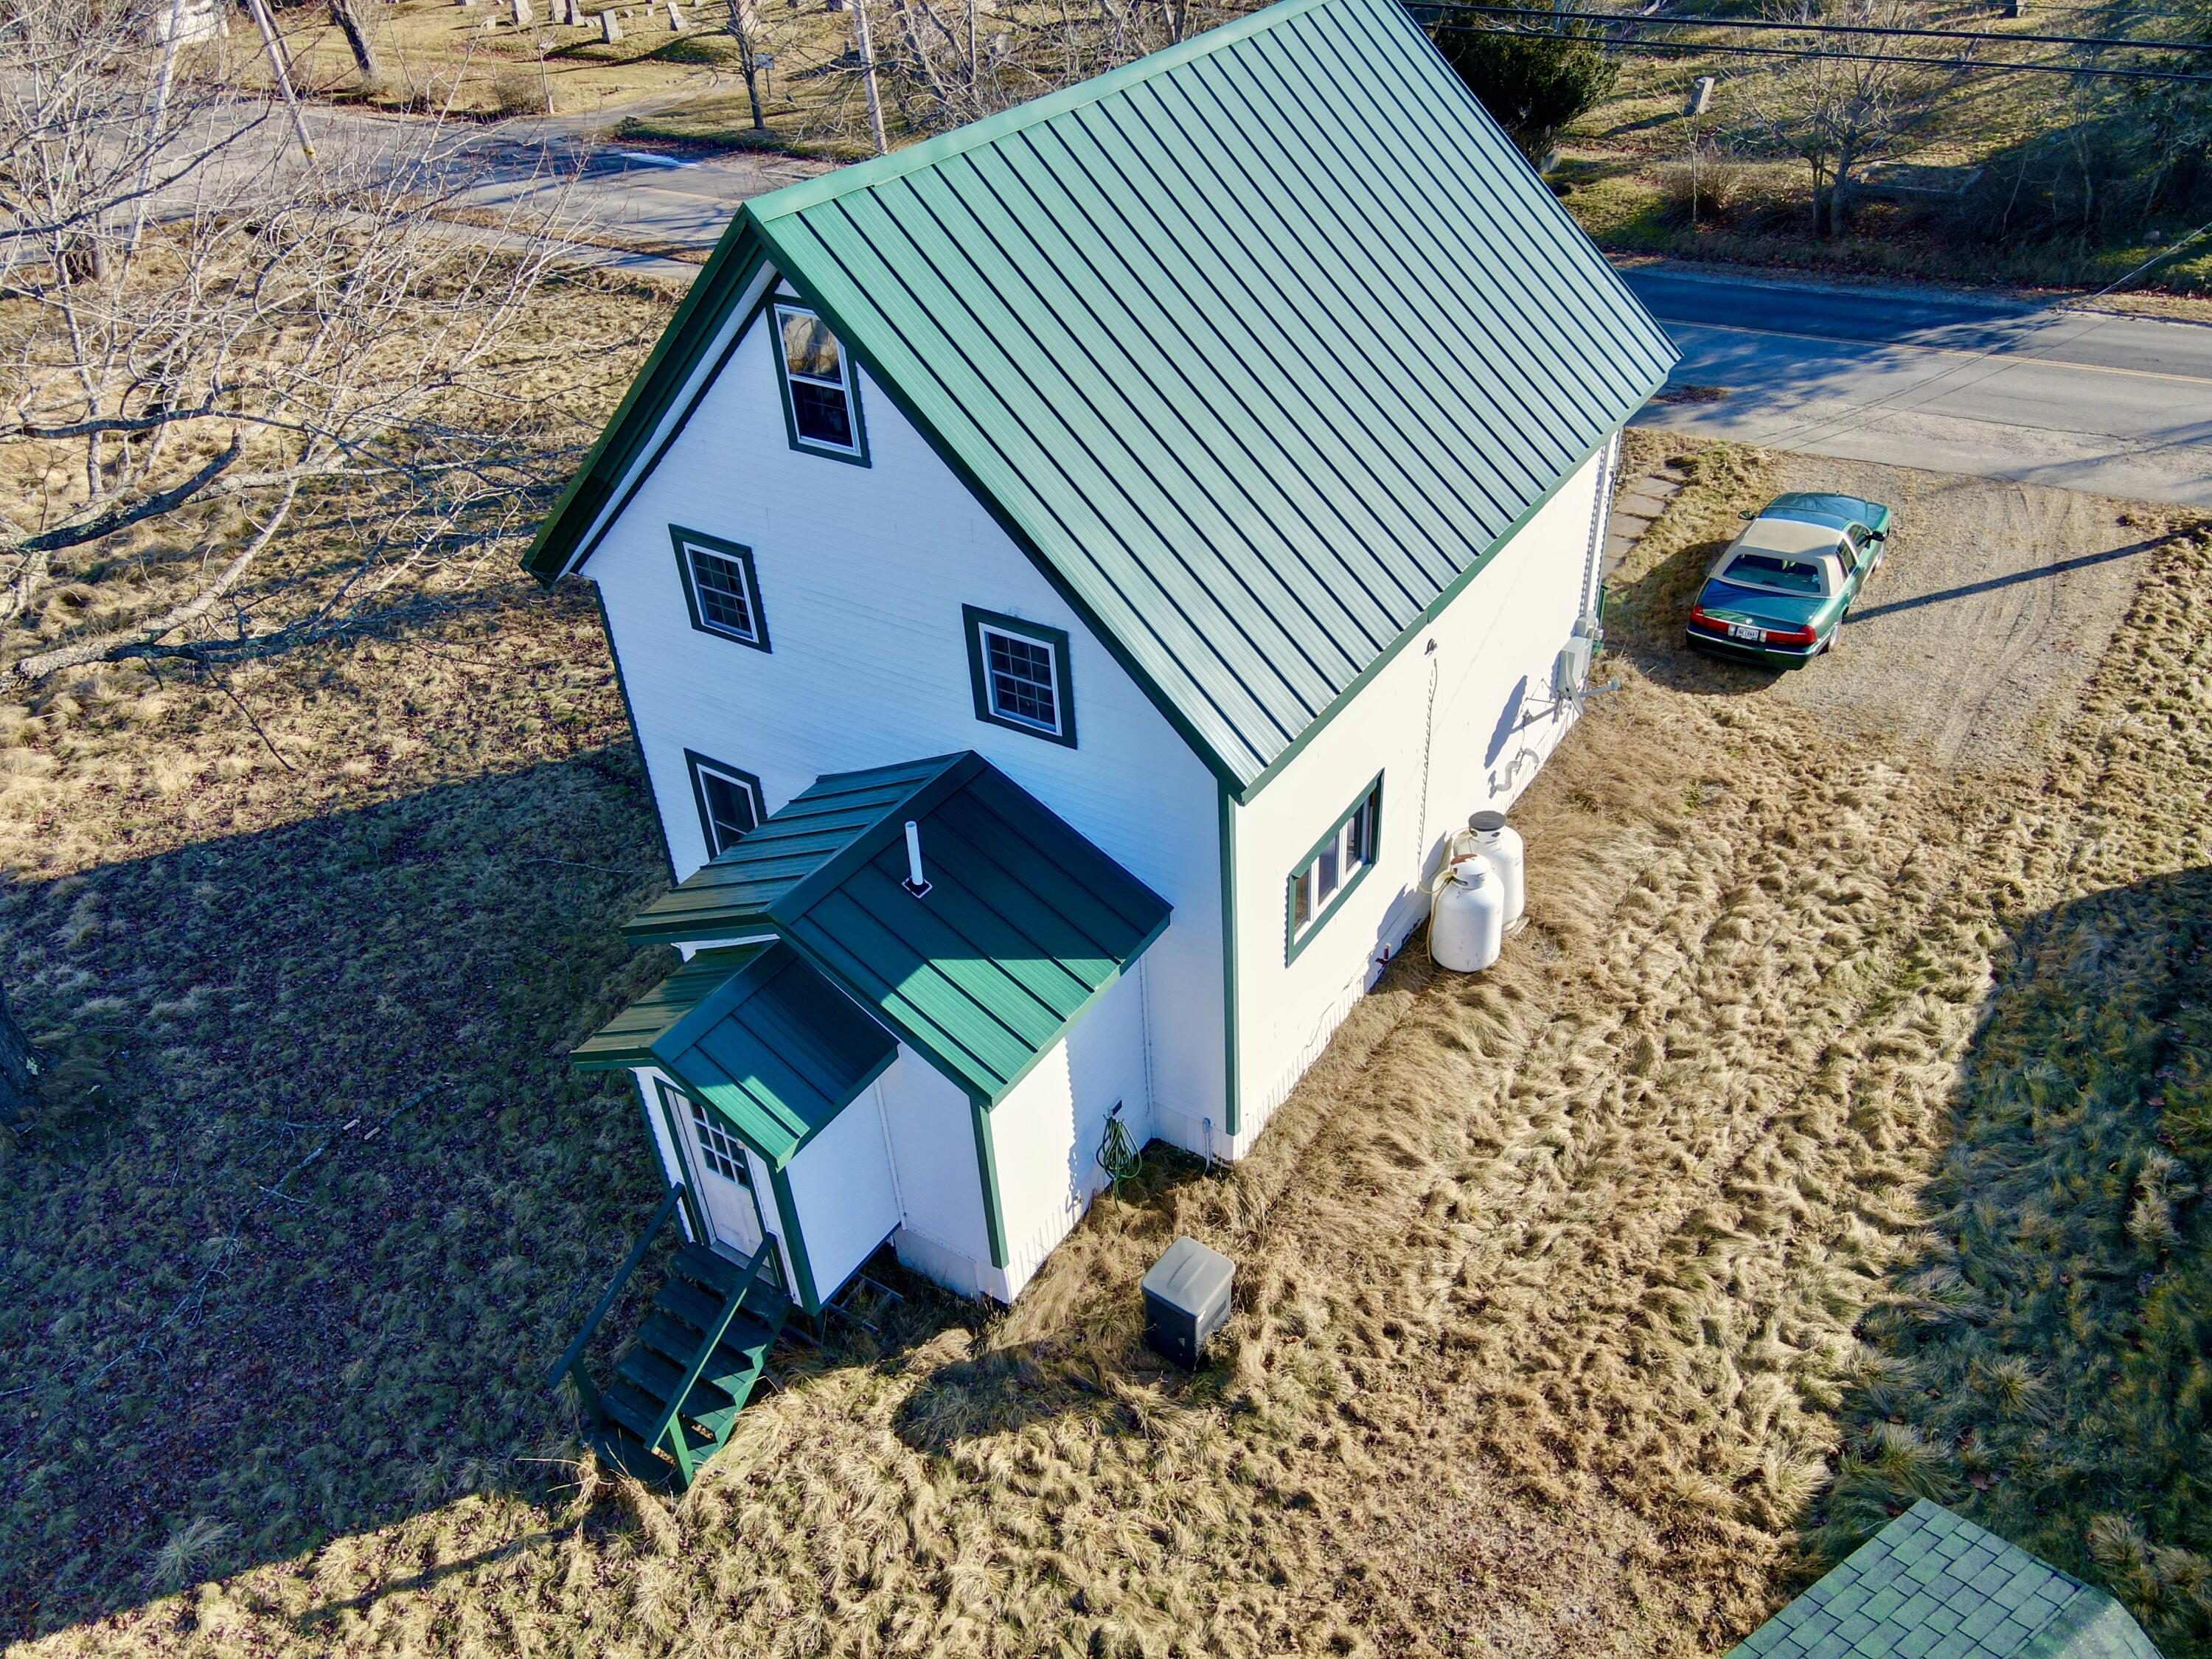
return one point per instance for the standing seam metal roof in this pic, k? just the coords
(758, 1034)
(1261, 344)
(1026, 922)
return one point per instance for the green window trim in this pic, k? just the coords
(974, 622)
(1296, 939)
(700, 767)
(779, 307)
(685, 541)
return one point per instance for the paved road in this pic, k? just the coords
(1999, 389)
(1953, 383)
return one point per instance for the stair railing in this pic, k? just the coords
(678, 1442)
(571, 1363)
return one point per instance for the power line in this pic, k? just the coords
(1638, 20)
(1996, 66)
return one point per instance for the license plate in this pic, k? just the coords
(1745, 631)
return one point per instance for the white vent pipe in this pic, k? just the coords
(916, 883)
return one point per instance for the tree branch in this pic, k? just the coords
(77, 656)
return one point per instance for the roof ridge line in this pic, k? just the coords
(974, 135)
(952, 772)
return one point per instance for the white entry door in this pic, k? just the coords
(717, 1158)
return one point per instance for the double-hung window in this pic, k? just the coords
(722, 588)
(729, 802)
(820, 403)
(1326, 875)
(1019, 672)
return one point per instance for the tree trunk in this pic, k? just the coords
(741, 30)
(20, 1065)
(349, 16)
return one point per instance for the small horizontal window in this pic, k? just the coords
(1329, 873)
(722, 588)
(1020, 675)
(820, 400)
(729, 802)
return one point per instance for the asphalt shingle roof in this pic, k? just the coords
(1931, 1585)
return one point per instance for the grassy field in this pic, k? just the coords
(1624, 172)
(1832, 1136)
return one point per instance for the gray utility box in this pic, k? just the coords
(1187, 1300)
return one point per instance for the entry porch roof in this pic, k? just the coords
(1024, 922)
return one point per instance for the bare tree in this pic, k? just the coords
(1843, 100)
(354, 21)
(198, 332)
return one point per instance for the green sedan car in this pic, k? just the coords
(1780, 592)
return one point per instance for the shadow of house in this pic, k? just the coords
(293, 1267)
(2044, 1363)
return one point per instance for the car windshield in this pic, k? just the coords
(1775, 570)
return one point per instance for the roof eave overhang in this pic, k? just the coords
(658, 403)
(1243, 794)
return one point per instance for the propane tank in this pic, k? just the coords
(1499, 844)
(1466, 925)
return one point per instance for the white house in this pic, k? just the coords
(1171, 497)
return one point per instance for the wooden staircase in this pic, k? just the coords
(699, 1350)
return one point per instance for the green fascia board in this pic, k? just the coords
(796, 851)
(700, 315)
(758, 1036)
(628, 1039)
(1013, 287)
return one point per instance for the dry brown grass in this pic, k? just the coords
(1564, 1291)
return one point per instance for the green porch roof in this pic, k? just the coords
(756, 1032)
(1026, 922)
(1931, 1584)
(1258, 346)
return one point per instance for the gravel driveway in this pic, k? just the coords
(1973, 642)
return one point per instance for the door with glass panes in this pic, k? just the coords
(722, 1173)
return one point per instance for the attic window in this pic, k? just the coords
(729, 801)
(720, 586)
(1019, 673)
(821, 404)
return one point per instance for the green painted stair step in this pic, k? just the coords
(712, 1320)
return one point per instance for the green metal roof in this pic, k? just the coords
(1258, 345)
(758, 1034)
(1930, 1585)
(1025, 922)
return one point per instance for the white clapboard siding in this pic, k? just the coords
(841, 1188)
(942, 1233)
(1496, 719)
(862, 573)
(1045, 1135)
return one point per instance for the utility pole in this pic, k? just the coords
(260, 11)
(867, 44)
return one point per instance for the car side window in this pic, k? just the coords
(1847, 550)
(1858, 534)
